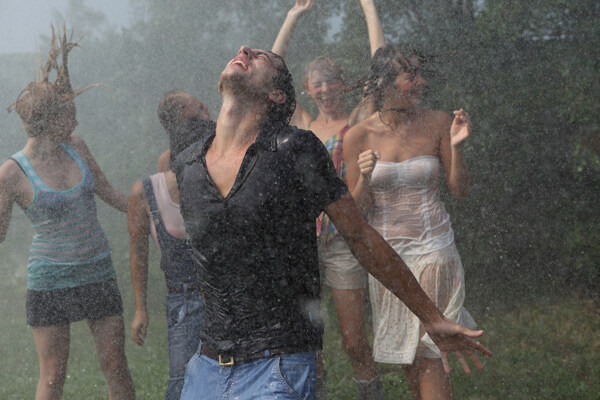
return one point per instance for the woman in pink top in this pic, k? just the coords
(324, 83)
(393, 160)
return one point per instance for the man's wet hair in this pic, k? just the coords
(282, 113)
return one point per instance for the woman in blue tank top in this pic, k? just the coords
(70, 273)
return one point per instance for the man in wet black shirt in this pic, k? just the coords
(250, 193)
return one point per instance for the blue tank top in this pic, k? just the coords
(69, 248)
(176, 254)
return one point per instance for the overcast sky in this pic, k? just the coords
(23, 21)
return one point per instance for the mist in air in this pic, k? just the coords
(528, 232)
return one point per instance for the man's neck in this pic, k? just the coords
(239, 123)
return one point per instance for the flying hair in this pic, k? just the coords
(41, 99)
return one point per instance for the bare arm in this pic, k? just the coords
(285, 32)
(453, 134)
(8, 185)
(376, 40)
(301, 118)
(359, 166)
(374, 253)
(164, 161)
(104, 190)
(138, 224)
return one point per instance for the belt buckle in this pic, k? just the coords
(226, 364)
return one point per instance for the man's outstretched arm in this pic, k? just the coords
(376, 255)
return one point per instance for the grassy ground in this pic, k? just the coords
(547, 348)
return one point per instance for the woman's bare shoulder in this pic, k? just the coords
(77, 142)
(10, 169)
(438, 117)
(12, 177)
(369, 124)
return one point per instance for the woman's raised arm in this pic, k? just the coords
(301, 118)
(376, 38)
(453, 135)
(285, 32)
(376, 41)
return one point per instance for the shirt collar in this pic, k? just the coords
(267, 137)
(266, 140)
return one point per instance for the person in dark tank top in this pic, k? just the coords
(154, 210)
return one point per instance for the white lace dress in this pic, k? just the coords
(408, 213)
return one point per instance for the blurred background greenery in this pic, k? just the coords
(529, 232)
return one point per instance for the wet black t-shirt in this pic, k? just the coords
(256, 248)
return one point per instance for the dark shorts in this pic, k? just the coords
(62, 306)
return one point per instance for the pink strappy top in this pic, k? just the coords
(169, 210)
(325, 228)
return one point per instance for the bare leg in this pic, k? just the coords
(109, 336)
(52, 344)
(349, 304)
(412, 378)
(426, 376)
(428, 381)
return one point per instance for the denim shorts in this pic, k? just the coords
(284, 377)
(185, 315)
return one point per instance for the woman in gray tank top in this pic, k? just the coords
(70, 274)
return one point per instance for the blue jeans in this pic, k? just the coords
(284, 377)
(185, 315)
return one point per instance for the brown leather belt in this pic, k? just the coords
(229, 360)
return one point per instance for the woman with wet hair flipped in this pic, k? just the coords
(70, 272)
(324, 83)
(393, 160)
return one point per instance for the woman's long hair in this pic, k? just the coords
(388, 62)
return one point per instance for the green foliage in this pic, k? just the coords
(544, 348)
(527, 72)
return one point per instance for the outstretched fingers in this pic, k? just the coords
(445, 362)
(303, 6)
(452, 337)
(461, 116)
(463, 363)
(469, 334)
(470, 347)
(475, 359)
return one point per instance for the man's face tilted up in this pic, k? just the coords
(250, 73)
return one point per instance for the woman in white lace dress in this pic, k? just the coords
(393, 161)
